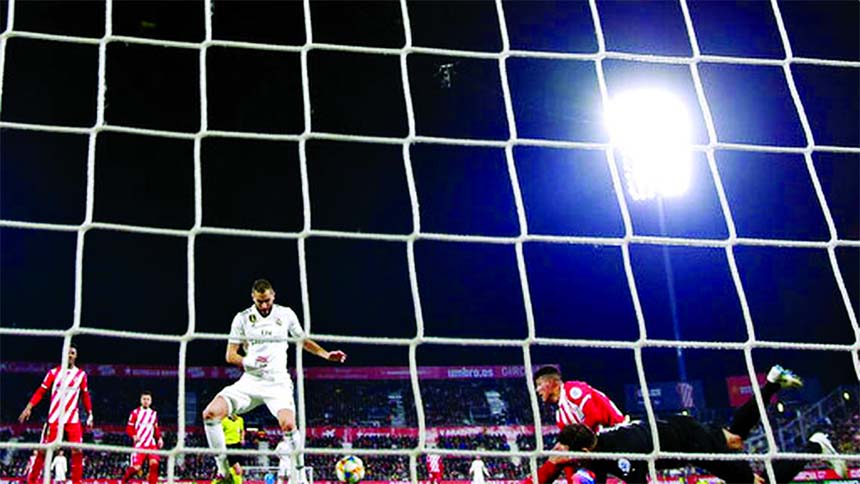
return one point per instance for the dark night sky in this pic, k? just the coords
(137, 281)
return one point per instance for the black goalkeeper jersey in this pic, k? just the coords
(677, 434)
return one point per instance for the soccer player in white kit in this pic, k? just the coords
(261, 332)
(60, 466)
(478, 471)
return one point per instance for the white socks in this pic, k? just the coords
(215, 438)
(298, 443)
(285, 462)
(286, 469)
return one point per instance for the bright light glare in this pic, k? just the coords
(651, 129)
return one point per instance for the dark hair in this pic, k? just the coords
(146, 392)
(261, 285)
(547, 371)
(577, 436)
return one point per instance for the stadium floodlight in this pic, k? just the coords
(651, 130)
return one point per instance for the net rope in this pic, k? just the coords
(623, 243)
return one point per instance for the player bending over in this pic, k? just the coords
(682, 433)
(66, 385)
(143, 429)
(577, 402)
(265, 378)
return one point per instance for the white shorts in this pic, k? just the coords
(249, 392)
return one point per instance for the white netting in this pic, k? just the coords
(526, 344)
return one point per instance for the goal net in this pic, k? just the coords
(435, 183)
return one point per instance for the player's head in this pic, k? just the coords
(548, 384)
(73, 354)
(145, 399)
(263, 295)
(577, 437)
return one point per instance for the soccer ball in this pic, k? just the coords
(350, 469)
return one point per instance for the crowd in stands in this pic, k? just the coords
(847, 435)
(327, 402)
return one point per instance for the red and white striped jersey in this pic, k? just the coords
(581, 403)
(434, 463)
(66, 386)
(30, 464)
(143, 428)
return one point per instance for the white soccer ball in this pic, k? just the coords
(350, 469)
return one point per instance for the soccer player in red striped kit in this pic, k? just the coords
(67, 385)
(143, 429)
(578, 403)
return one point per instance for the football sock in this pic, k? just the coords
(77, 467)
(153, 472)
(215, 438)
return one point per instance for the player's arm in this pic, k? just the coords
(311, 346)
(232, 356)
(157, 432)
(88, 401)
(237, 332)
(37, 396)
(129, 427)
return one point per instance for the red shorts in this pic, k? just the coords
(138, 458)
(71, 433)
(436, 476)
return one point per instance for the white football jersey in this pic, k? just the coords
(478, 470)
(249, 329)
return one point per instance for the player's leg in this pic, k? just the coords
(152, 477)
(213, 414)
(34, 476)
(291, 441)
(75, 434)
(235, 463)
(131, 470)
(786, 470)
(820, 442)
(238, 398)
(279, 399)
(77, 466)
(134, 464)
(49, 433)
(682, 433)
(234, 399)
(747, 415)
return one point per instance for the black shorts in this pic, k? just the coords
(235, 459)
